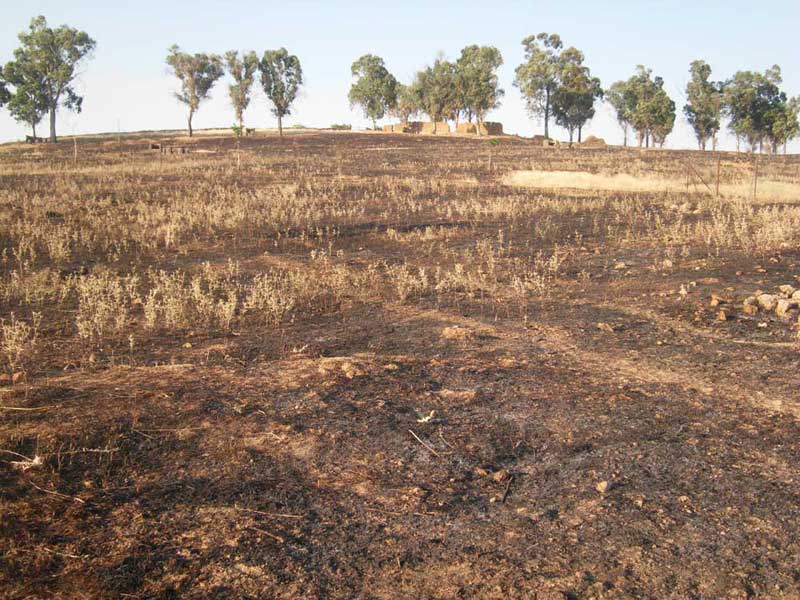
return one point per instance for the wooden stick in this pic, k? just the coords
(508, 488)
(272, 535)
(57, 494)
(416, 437)
(268, 514)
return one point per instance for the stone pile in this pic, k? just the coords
(785, 304)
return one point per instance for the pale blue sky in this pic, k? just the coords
(127, 81)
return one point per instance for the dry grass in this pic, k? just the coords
(767, 190)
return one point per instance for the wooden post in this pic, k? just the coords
(755, 178)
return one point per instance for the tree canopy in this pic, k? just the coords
(49, 59)
(5, 95)
(375, 89)
(537, 78)
(757, 109)
(623, 101)
(573, 99)
(703, 109)
(197, 73)
(436, 90)
(242, 69)
(476, 78)
(406, 105)
(281, 78)
(642, 103)
(28, 103)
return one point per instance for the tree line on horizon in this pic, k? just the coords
(554, 81)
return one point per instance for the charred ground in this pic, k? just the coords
(363, 366)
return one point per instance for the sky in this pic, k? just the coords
(127, 87)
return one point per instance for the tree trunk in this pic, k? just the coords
(33, 127)
(546, 112)
(374, 125)
(280, 125)
(625, 136)
(580, 133)
(571, 133)
(53, 124)
(191, 114)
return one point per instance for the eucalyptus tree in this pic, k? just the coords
(27, 101)
(538, 77)
(786, 124)
(197, 73)
(574, 98)
(703, 109)
(756, 106)
(281, 78)
(476, 73)
(375, 89)
(436, 90)
(643, 102)
(242, 69)
(406, 105)
(51, 58)
(623, 102)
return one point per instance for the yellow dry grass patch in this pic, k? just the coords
(622, 182)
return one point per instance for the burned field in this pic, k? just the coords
(384, 366)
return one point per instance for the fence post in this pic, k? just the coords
(755, 178)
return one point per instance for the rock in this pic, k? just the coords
(602, 487)
(717, 300)
(352, 370)
(750, 309)
(796, 295)
(768, 301)
(784, 307)
(17, 377)
(618, 266)
(722, 315)
(787, 291)
(457, 333)
(605, 327)
(501, 476)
